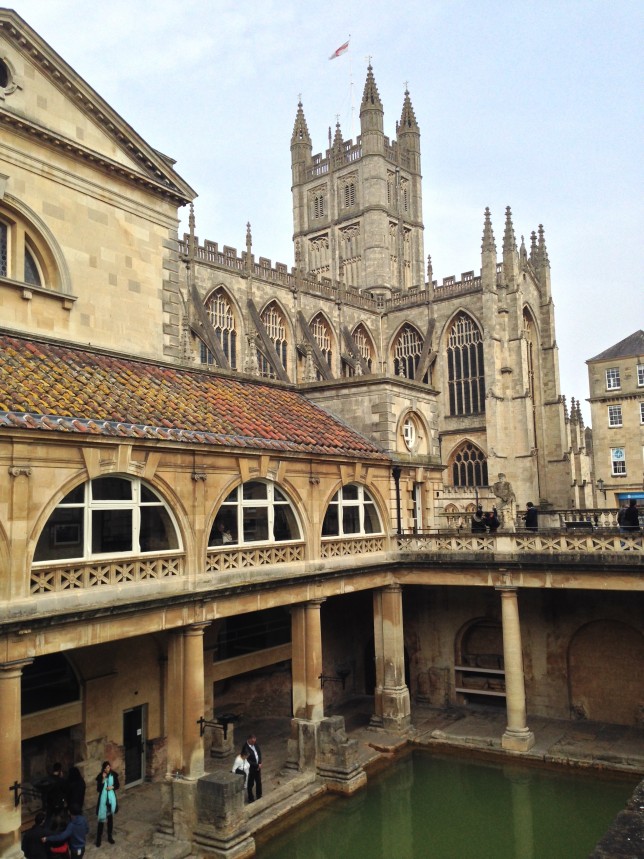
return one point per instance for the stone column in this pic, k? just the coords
(314, 692)
(10, 757)
(193, 700)
(298, 660)
(174, 704)
(517, 737)
(392, 706)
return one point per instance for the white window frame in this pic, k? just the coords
(617, 462)
(235, 504)
(642, 413)
(615, 416)
(410, 433)
(640, 375)
(134, 504)
(360, 502)
(613, 381)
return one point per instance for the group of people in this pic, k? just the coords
(483, 522)
(62, 830)
(248, 764)
(489, 522)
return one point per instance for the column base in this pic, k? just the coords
(517, 741)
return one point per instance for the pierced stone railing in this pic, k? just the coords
(546, 542)
(226, 559)
(77, 575)
(334, 548)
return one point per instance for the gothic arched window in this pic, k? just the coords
(276, 329)
(322, 333)
(407, 349)
(469, 466)
(465, 370)
(364, 343)
(220, 313)
(349, 195)
(529, 335)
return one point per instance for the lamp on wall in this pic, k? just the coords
(600, 486)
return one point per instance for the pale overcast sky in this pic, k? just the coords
(535, 105)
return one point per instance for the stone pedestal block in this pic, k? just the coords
(220, 831)
(517, 741)
(223, 742)
(337, 757)
(302, 745)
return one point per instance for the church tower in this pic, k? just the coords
(357, 208)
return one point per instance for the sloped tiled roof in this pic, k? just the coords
(630, 347)
(47, 386)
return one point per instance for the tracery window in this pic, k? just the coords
(107, 516)
(351, 512)
(466, 376)
(469, 466)
(318, 206)
(220, 313)
(407, 349)
(276, 329)
(349, 194)
(322, 334)
(255, 512)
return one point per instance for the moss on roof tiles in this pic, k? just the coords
(118, 394)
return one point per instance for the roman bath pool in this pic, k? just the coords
(434, 807)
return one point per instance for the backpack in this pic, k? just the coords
(620, 515)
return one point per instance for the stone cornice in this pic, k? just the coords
(162, 178)
(70, 147)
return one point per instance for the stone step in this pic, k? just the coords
(284, 800)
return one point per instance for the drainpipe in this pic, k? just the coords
(396, 472)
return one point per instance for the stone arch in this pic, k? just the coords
(467, 465)
(226, 319)
(42, 243)
(405, 349)
(366, 344)
(465, 366)
(606, 672)
(324, 334)
(279, 329)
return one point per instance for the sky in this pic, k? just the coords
(535, 105)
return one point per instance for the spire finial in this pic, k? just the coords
(488, 245)
(509, 240)
(533, 248)
(408, 117)
(300, 128)
(542, 251)
(430, 270)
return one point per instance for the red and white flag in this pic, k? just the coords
(341, 50)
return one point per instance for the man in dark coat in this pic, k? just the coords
(531, 517)
(254, 757)
(32, 845)
(631, 520)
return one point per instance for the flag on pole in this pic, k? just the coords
(341, 50)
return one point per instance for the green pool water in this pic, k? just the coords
(429, 807)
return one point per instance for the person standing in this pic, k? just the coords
(254, 756)
(32, 841)
(631, 519)
(75, 833)
(107, 783)
(531, 517)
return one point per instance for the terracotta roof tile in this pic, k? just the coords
(51, 387)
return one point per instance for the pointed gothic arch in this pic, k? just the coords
(465, 365)
(406, 350)
(468, 465)
(223, 317)
(366, 346)
(322, 331)
(278, 329)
